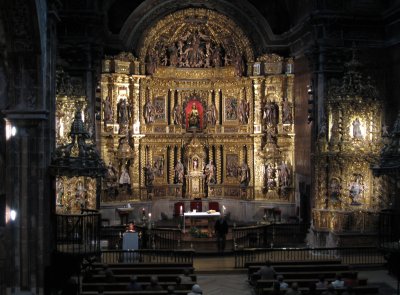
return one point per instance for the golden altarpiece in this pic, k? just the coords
(348, 196)
(197, 115)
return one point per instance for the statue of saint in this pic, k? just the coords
(148, 112)
(356, 190)
(107, 108)
(179, 172)
(148, 175)
(211, 115)
(210, 173)
(123, 112)
(286, 112)
(194, 118)
(284, 174)
(177, 115)
(244, 175)
(269, 114)
(243, 111)
(124, 179)
(357, 134)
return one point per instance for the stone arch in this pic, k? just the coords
(244, 14)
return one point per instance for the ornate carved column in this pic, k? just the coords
(136, 99)
(258, 171)
(171, 155)
(218, 163)
(257, 105)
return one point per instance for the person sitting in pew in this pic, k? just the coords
(293, 290)
(330, 291)
(186, 278)
(154, 285)
(108, 273)
(266, 272)
(349, 291)
(134, 285)
(321, 284)
(338, 282)
(282, 284)
(179, 285)
(196, 290)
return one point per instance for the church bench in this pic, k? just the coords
(150, 270)
(296, 262)
(140, 278)
(122, 286)
(362, 290)
(142, 264)
(301, 282)
(135, 292)
(315, 274)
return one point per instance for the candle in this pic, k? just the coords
(149, 216)
(143, 211)
(181, 210)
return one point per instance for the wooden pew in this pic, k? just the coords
(362, 290)
(140, 278)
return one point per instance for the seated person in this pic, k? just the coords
(186, 278)
(196, 290)
(282, 284)
(293, 290)
(321, 284)
(329, 291)
(178, 285)
(134, 285)
(108, 273)
(338, 282)
(266, 272)
(154, 285)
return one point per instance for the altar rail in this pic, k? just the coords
(352, 256)
(147, 256)
(78, 233)
(270, 235)
(389, 230)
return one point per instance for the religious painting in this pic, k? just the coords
(232, 165)
(231, 105)
(194, 116)
(159, 109)
(158, 165)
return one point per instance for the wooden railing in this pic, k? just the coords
(353, 256)
(78, 233)
(147, 256)
(269, 235)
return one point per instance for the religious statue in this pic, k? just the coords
(209, 172)
(243, 111)
(244, 174)
(286, 112)
(211, 115)
(356, 190)
(270, 176)
(334, 188)
(173, 56)
(107, 109)
(111, 176)
(194, 118)
(177, 115)
(357, 134)
(148, 112)
(270, 114)
(195, 163)
(179, 172)
(123, 112)
(284, 174)
(148, 175)
(159, 166)
(124, 179)
(239, 65)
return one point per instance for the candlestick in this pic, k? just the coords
(181, 210)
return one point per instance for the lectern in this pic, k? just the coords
(130, 242)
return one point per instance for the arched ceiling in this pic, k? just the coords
(145, 13)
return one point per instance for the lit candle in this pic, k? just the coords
(149, 216)
(143, 211)
(181, 210)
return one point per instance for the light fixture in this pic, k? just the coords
(13, 214)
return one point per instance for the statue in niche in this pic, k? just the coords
(385, 130)
(177, 114)
(107, 109)
(148, 112)
(217, 57)
(357, 134)
(195, 164)
(232, 168)
(239, 65)
(243, 111)
(322, 129)
(151, 62)
(208, 55)
(209, 172)
(194, 118)
(286, 112)
(173, 56)
(148, 175)
(270, 176)
(159, 166)
(244, 174)
(227, 59)
(284, 174)
(270, 113)
(179, 172)
(111, 176)
(356, 190)
(124, 179)
(123, 112)
(211, 114)
(334, 190)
